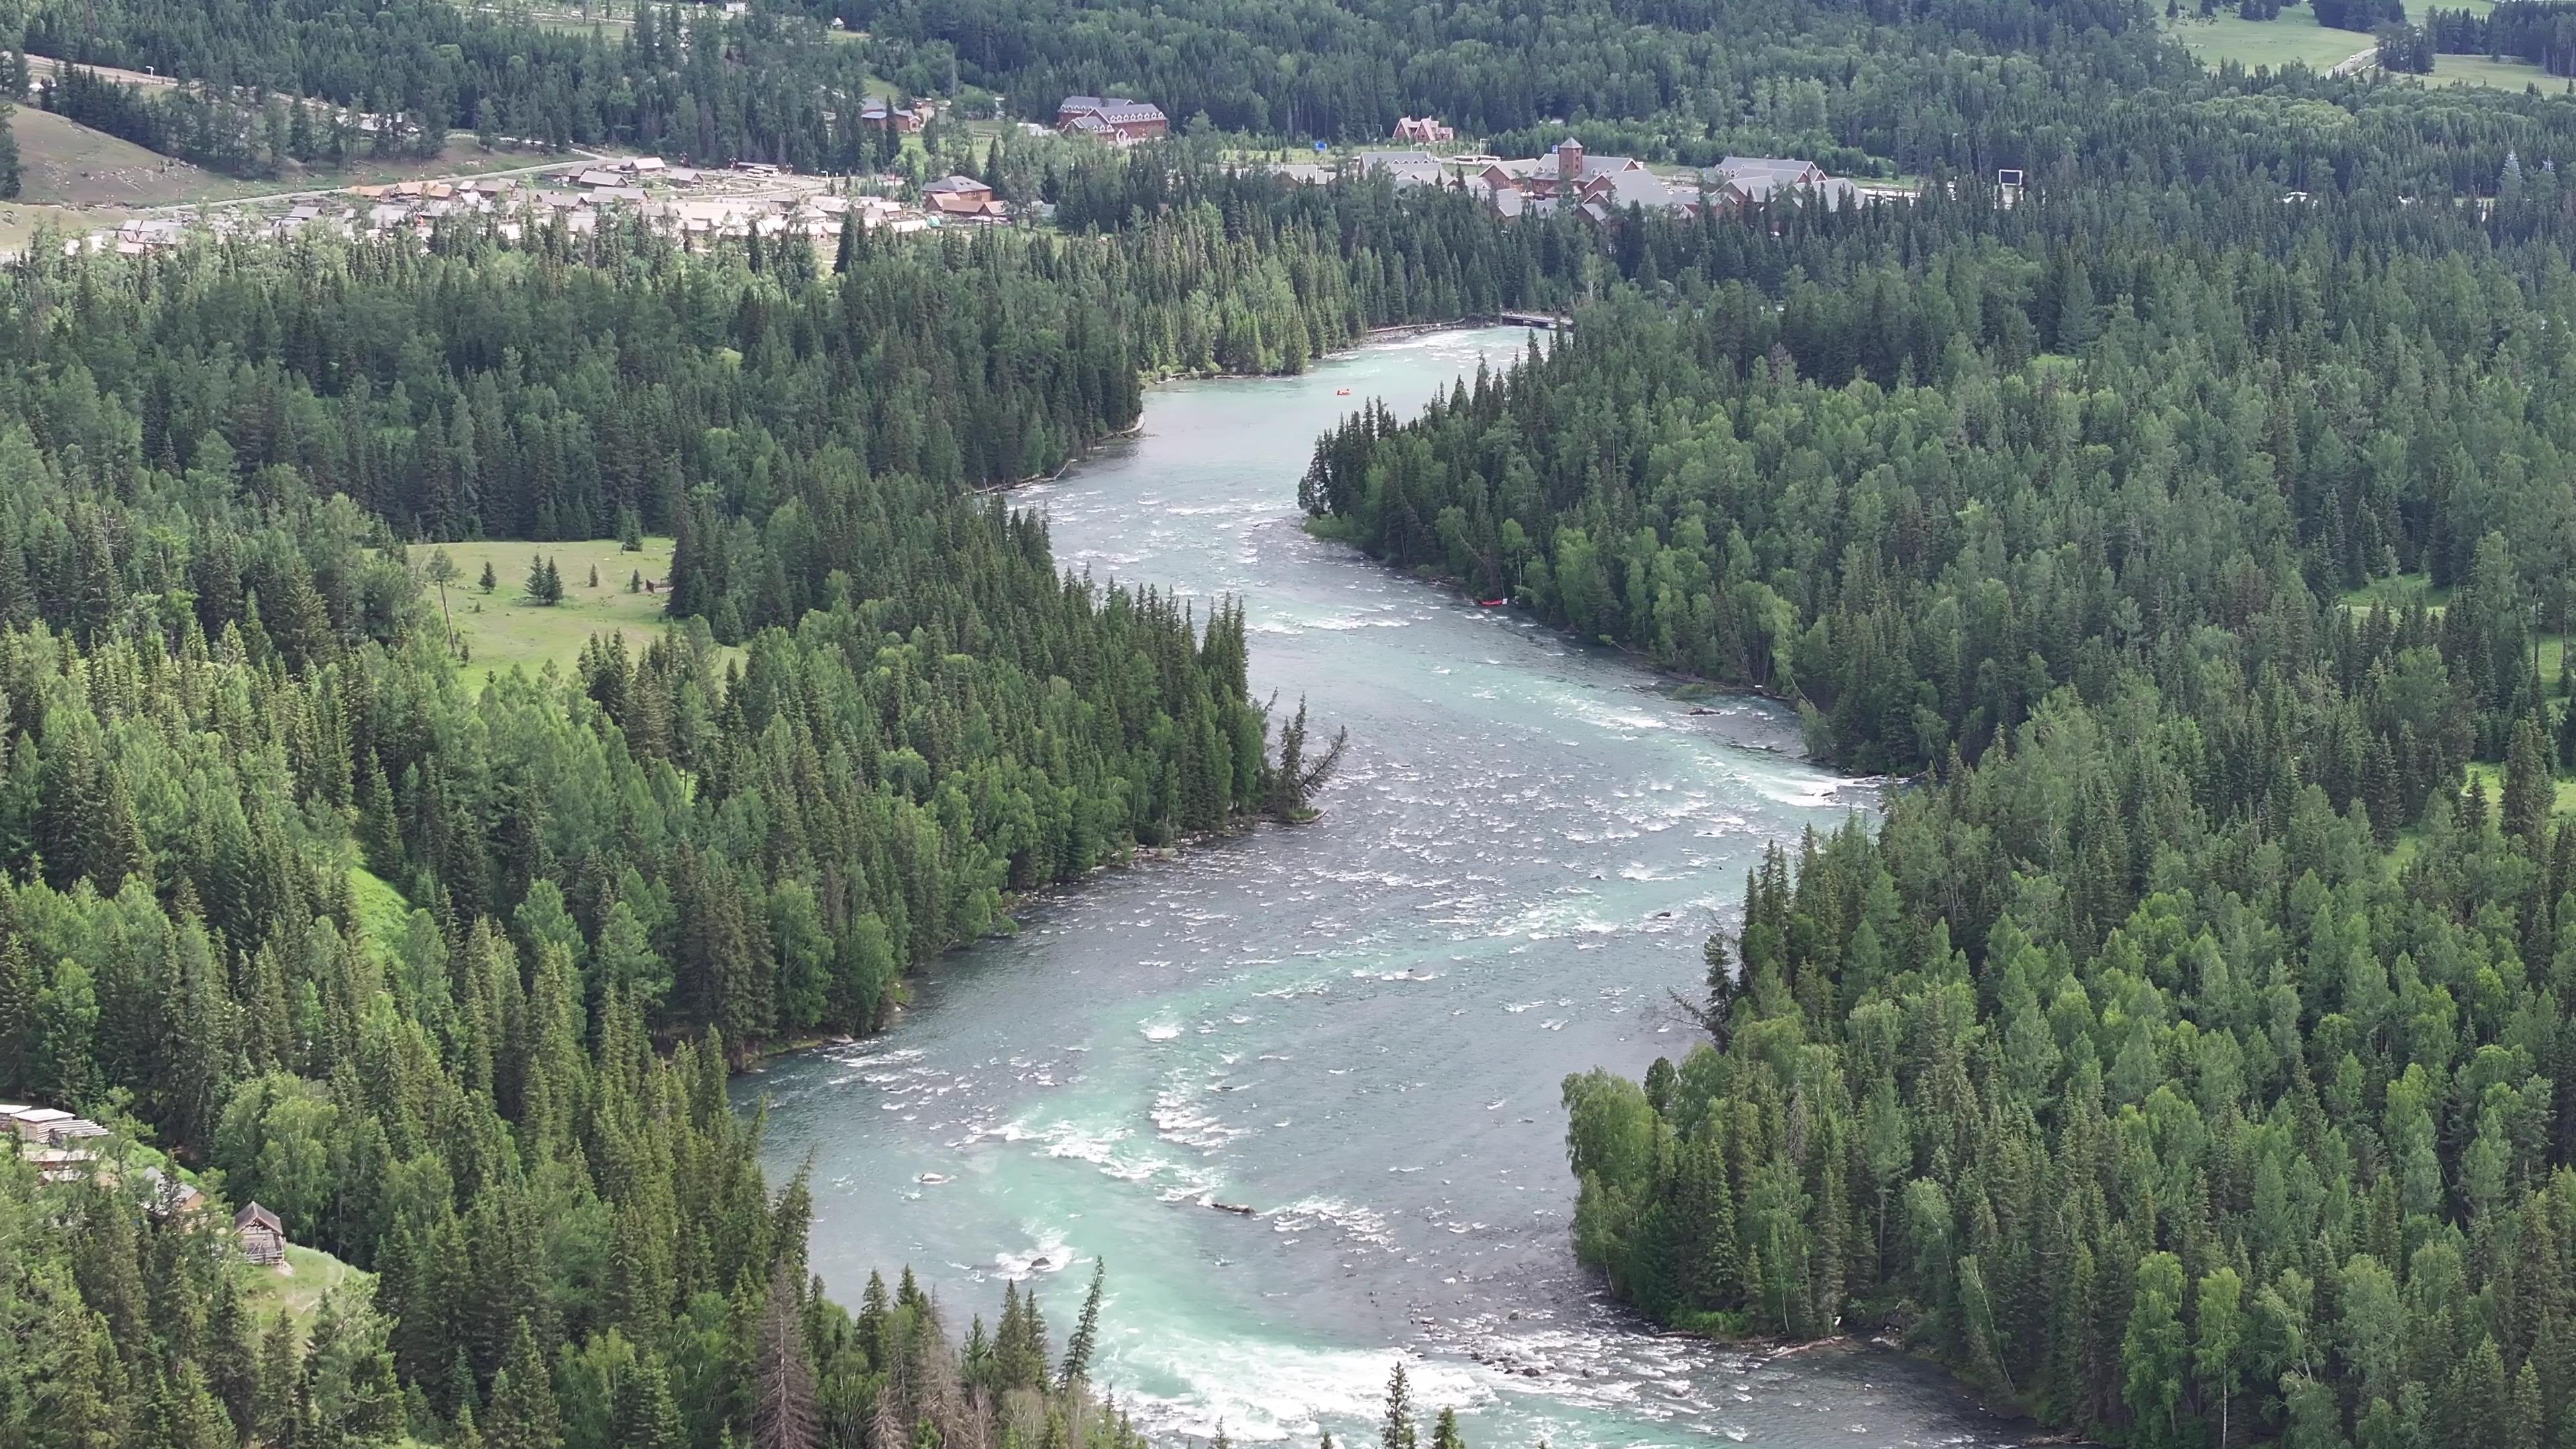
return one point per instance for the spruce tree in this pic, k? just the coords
(1396, 1429)
(523, 1413)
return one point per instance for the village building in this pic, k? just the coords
(885, 115)
(35, 1124)
(963, 198)
(62, 1164)
(1562, 173)
(1111, 118)
(1600, 188)
(168, 1196)
(1425, 131)
(262, 1236)
(1406, 169)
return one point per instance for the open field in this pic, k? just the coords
(502, 630)
(2477, 70)
(2294, 35)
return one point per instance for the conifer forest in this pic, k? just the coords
(2159, 484)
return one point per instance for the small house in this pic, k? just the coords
(263, 1237)
(884, 115)
(76, 1130)
(35, 1124)
(1426, 131)
(63, 1164)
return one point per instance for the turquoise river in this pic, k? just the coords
(1356, 1028)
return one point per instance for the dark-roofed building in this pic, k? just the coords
(1778, 168)
(885, 114)
(963, 198)
(1609, 196)
(1116, 117)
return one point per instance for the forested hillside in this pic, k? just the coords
(2185, 1058)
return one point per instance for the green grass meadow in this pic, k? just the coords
(504, 629)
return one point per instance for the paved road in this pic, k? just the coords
(41, 66)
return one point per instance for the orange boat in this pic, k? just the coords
(1341, 392)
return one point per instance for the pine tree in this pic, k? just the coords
(9, 173)
(1086, 1332)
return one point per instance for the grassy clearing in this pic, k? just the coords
(2493, 776)
(2294, 35)
(68, 163)
(383, 913)
(2503, 75)
(307, 1274)
(502, 629)
(2397, 592)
